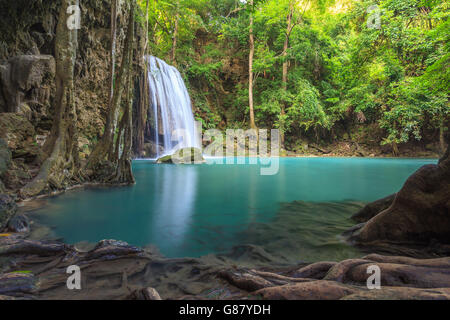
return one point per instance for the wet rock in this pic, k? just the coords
(432, 263)
(8, 208)
(17, 246)
(245, 280)
(401, 275)
(401, 278)
(395, 271)
(373, 208)
(315, 271)
(110, 249)
(313, 290)
(19, 223)
(401, 294)
(252, 280)
(146, 294)
(339, 271)
(17, 284)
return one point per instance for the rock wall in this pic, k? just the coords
(27, 78)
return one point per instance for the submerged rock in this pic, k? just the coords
(373, 208)
(183, 156)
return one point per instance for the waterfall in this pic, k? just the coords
(170, 109)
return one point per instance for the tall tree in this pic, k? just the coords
(285, 66)
(250, 68)
(61, 148)
(104, 150)
(291, 22)
(143, 104)
(112, 70)
(175, 33)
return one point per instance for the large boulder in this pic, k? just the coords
(183, 156)
(419, 214)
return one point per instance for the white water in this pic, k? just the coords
(170, 108)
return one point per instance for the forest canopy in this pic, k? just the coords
(312, 68)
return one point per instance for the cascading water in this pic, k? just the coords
(170, 109)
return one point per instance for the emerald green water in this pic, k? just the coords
(194, 210)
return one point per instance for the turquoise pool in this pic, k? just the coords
(194, 210)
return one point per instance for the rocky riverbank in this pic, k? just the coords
(116, 270)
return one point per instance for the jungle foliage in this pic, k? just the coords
(318, 64)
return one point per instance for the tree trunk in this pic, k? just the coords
(250, 69)
(441, 137)
(175, 35)
(105, 147)
(285, 70)
(112, 70)
(395, 151)
(124, 174)
(146, 27)
(142, 106)
(62, 162)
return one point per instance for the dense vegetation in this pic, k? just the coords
(315, 69)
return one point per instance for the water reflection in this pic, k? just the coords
(175, 203)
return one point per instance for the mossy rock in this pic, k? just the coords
(5, 157)
(183, 156)
(165, 160)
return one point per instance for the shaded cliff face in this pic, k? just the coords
(27, 78)
(28, 30)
